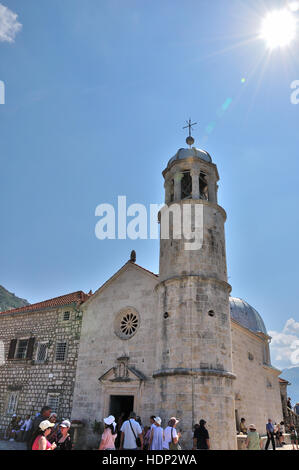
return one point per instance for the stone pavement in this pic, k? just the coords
(12, 445)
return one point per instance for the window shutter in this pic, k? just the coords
(30, 348)
(12, 349)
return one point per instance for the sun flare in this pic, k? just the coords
(278, 28)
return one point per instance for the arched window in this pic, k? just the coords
(203, 187)
(186, 185)
(171, 190)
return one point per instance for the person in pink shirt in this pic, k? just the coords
(40, 439)
(109, 434)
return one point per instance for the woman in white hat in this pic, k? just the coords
(40, 441)
(253, 441)
(109, 434)
(64, 441)
(156, 439)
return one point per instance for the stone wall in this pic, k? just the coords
(33, 381)
(101, 347)
(257, 391)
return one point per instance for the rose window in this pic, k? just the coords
(126, 323)
(129, 324)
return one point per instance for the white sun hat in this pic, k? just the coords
(158, 420)
(109, 420)
(45, 425)
(65, 423)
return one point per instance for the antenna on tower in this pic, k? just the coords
(190, 140)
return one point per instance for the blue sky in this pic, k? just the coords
(97, 93)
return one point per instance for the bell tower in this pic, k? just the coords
(193, 376)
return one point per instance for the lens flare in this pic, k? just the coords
(278, 28)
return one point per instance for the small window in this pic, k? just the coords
(203, 187)
(41, 352)
(60, 351)
(21, 349)
(211, 313)
(53, 402)
(12, 403)
(66, 316)
(171, 190)
(186, 185)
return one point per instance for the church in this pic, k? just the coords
(168, 344)
(176, 344)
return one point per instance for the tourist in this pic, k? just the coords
(253, 441)
(294, 436)
(276, 434)
(40, 441)
(18, 426)
(26, 428)
(201, 439)
(11, 427)
(243, 429)
(55, 430)
(146, 437)
(156, 438)
(119, 424)
(64, 441)
(152, 421)
(147, 434)
(289, 403)
(281, 433)
(138, 419)
(42, 416)
(109, 434)
(270, 434)
(170, 434)
(131, 434)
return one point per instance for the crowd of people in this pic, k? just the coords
(274, 433)
(131, 434)
(43, 432)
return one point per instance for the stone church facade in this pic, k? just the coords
(173, 344)
(176, 344)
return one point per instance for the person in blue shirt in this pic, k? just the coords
(270, 434)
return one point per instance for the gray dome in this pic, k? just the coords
(193, 152)
(246, 315)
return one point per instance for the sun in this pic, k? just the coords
(278, 28)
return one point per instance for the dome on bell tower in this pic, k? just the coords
(192, 152)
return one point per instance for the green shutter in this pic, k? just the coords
(30, 348)
(12, 349)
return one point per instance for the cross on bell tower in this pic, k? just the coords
(190, 140)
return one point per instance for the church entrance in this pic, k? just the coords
(121, 404)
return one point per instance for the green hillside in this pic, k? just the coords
(9, 300)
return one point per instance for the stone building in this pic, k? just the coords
(176, 344)
(39, 356)
(173, 344)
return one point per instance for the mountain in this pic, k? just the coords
(292, 375)
(9, 300)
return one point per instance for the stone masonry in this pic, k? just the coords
(30, 382)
